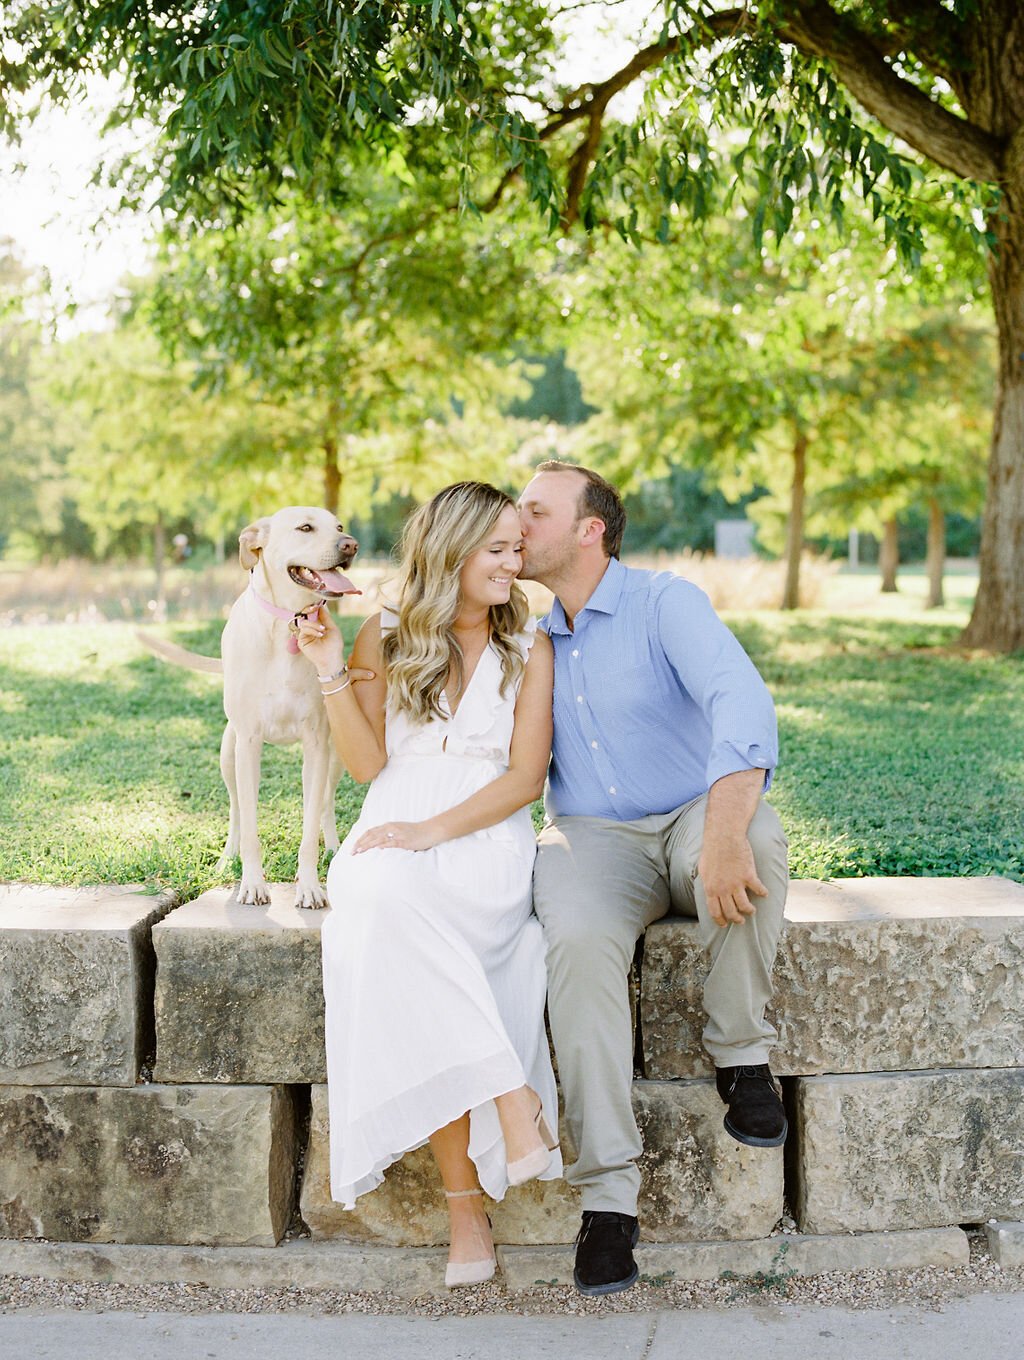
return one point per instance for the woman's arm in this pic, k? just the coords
(529, 753)
(355, 710)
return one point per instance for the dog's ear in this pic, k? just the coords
(252, 540)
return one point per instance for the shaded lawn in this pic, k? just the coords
(900, 755)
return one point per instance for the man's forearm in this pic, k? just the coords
(732, 802)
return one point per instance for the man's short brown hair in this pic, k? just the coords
(598, 498)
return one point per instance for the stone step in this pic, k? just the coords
(697, 1182)
(872, 975)
(413, 1271)
(908, 1149)
(770, 1260)
(159, 1164)
(76, 979)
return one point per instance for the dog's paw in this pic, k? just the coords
(254, 892)
(310, 897)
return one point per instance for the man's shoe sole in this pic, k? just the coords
(751, 1141)
(616, 1286)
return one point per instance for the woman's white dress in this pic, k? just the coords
(433, 964)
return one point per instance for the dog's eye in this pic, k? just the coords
(305, 528)
(341, 528)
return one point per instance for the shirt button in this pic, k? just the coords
(579, 698)
(576, 651)
(594, 744)
(613, 789)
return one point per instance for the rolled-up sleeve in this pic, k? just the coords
(722, 680)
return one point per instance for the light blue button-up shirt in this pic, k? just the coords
(654, 700)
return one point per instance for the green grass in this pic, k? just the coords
(900, 755)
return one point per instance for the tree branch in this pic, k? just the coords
(591, 101)
(927, 31)
(950, 141)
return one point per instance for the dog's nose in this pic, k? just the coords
(347, 547)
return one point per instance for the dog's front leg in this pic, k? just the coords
(309, 891)
(248, 755)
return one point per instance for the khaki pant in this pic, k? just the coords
(598, 884)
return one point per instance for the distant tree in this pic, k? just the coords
(146, 448)
(802, 371)
(31, 481)
(383, 329)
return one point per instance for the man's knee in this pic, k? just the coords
(588, 941)
(768, 843)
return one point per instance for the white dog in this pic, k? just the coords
(271, 691)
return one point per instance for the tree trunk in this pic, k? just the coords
(936, 553)
(159, 563)
(994, 99)
(332, 475)
(795, 527)
(997, 620)
(889, 556)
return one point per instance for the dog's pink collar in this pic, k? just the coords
(280, 613)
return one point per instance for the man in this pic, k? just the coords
(664, 741)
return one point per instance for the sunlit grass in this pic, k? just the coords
(900, 753)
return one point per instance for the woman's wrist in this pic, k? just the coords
(333, 675)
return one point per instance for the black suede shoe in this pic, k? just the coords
(755, 1113)
(604, 1253)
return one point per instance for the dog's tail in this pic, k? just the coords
(180, 656)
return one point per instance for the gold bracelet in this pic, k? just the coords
(326, 692)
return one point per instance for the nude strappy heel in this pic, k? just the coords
(537, 1162)
(468, 1272)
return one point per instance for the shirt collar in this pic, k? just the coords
(605, 598)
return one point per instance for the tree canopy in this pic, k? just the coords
(916, 108)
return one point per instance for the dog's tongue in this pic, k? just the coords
(338, 584)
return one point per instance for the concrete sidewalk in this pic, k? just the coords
(990, 1325)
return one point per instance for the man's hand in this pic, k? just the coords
(726, 865)
(726, 868)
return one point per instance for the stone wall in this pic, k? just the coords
(162, 1070)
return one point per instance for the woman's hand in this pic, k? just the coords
(319, 640)
(398, 836)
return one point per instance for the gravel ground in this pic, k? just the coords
(930, 1287)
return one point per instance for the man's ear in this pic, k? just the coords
(593, 532)
(252, 540)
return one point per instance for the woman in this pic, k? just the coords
(434, 973)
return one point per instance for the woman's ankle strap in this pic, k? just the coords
(462, 1194)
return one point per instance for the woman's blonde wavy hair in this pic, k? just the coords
(421, 650)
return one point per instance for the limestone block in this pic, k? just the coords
(239, 995)
(1006, 1243)
(76, 978)
(909, 1149)
(872, 975)
(178, 1164)
(697, 1182)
